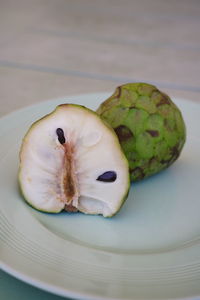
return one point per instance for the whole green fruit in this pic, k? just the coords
(150, 127)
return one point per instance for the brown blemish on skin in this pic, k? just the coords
(152, 160)
(165, 161)
(153, 133)
(137, 173)
(164, 100)
(123, 133)
(167, 125)
(119, 91)
(174, 155)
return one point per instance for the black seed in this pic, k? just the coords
(60, 134)
(109, 176)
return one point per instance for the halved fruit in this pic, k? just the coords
(72, 160)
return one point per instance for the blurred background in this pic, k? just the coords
(54, 48)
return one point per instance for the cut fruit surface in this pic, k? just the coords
(72, 160)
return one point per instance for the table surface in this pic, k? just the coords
(55, 48)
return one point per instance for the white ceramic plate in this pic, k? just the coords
(149, 250)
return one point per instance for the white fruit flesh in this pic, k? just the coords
(55, 176)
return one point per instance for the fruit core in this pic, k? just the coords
(69, 180)
(70, 190)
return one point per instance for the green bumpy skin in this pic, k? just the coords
(150, 127)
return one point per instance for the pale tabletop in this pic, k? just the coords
(55, 48)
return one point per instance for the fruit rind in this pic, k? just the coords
(149, 125)
(107, 128)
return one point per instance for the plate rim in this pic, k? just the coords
(25, 277)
